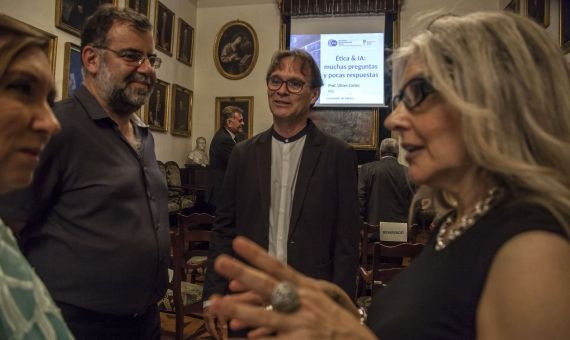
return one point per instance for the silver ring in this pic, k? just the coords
(284, 298)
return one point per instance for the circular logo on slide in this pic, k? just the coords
(332, 42)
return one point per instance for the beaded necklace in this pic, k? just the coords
(466, 221)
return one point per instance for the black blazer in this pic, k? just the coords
(384, 191)
(220, 150)
(324, 226)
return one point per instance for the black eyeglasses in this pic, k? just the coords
(134, 57)
(413, 93)
(293, 85)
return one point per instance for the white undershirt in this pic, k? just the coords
(285, 160)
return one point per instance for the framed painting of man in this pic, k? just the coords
(185, 42)
(244, 103)
(72, 75)
(565, 26)
(71, 14)
(141, 6)
(163, 28)
(539, 10)
(158, 105)
(236, 49)
(181, 121)
(356, 126)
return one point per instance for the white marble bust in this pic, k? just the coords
(199, 155)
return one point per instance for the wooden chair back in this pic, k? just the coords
(382, 271)
(189, 230)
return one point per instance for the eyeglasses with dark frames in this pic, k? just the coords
(134, 57)
(413, 93)
(294, 86)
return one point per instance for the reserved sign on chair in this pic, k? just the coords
(393, 231)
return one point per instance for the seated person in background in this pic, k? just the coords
(199, 154)
(27, 91)
(482, 108)
(384, 191)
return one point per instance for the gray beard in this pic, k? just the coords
(122, 100)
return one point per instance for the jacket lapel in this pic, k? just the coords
(309, 158)
(263, 157)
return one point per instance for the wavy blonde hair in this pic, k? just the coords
(511, 84)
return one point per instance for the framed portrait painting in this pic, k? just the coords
(185, 42)
(157, 108)
(164, 28)
(141, 6)
(236, 49)
(181, 121)
(51, 49)
(245, 104)
(539, 10)
(565, 26)
(72, 76)
(356, 126)
(514, 6)
(71, 14)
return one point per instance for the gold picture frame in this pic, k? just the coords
(235, 58)
(51, 49)
(356, 126)
(245, 103)
(158, 106)
(140, 6)
(163, 28)
(72, 75)
(185, 42)
(539, 10)
(71, 14)
(181, 121)
(564, 26)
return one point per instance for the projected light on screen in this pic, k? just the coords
(352, 66)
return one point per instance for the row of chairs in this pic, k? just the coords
(180, 197)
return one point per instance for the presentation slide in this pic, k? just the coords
(352, 67)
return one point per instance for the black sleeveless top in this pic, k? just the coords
(437, 296)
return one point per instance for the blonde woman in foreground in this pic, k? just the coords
(483, 111)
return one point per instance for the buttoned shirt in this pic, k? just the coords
(97, 230)
(285, 159)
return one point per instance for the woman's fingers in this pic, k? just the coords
(259, 258)
(248, 315)
(248, 297)
(248, 277)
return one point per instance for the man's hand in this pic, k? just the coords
(216, 326)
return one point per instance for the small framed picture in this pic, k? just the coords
(244, 103)
(164, 28)
(185, 42)
(565, 26)
(514, 6)
(51, 50)
(72, 76)
(236, 49)
(181, 122)
(141, 6)
(539, 10)
(71, 14)
(157, 108)
(356, 126)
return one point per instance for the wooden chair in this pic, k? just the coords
(190, 230)
(365, 255)
(383, 273)
(174, 182)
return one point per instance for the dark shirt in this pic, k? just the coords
(438, 295)
(97, 220)
(384, 191)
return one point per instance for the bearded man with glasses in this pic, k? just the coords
(292, 189)
(95, 222)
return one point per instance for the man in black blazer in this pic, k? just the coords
(291, 189)
(384, 191)
(220, 149)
